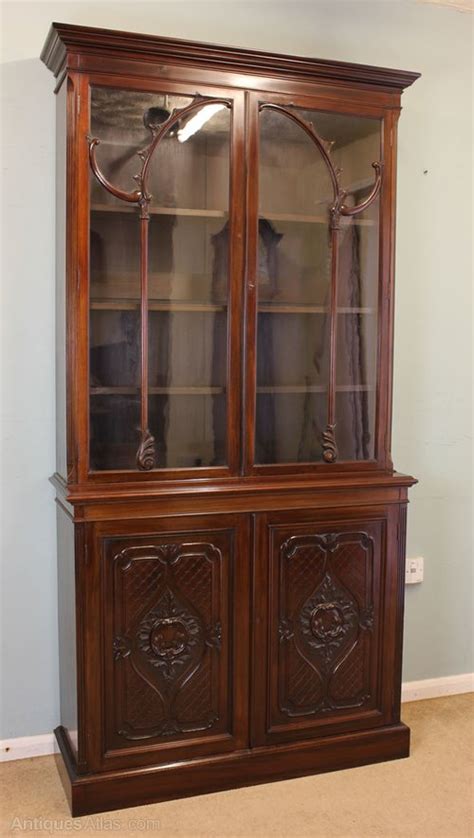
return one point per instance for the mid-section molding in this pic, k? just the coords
(238, 494)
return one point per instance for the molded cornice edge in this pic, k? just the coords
(64, 38)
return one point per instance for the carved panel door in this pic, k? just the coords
(320, 628)
(175, 659)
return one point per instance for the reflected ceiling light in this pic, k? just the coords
(197, 121)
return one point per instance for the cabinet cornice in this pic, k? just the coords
(64, 39)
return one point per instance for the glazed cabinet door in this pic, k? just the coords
(175, 629)
(323, 625)
(314, 256)
(165, 274)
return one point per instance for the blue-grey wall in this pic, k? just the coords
(432, 420)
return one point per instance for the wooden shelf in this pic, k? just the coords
(186, 391)
(288, 217)
(155, 305)
(212, 391)
(355, 388)
(314, 388)
(157, 391)
(125, 277)
(355, 310)
(282, 217)
(188, 212)
(189, 305)
(292, 388)
(283, 308)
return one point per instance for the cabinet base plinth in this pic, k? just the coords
(104, 791)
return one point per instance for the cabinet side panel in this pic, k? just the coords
(61, 135)
(67, 625)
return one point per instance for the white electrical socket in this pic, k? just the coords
(414, 570)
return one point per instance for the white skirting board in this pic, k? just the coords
(37, 746)
(437, 687)
(28, 746)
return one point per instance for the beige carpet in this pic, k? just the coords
(428, 795)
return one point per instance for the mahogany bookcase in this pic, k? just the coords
(231, 531)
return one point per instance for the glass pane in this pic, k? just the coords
(294, 288)
(294, 273)
(357, 327)
(114, 329)
(187, 283)
(188, 289)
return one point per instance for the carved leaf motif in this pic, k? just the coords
(285, 629)
(214, 636)
(329, 444)
(121, 648)
(366, 619)
(146, 452)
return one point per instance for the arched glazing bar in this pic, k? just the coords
(337, 209)
(146, 453)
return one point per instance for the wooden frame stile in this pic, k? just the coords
(246, 515)
(78, 208)
(236, 278)
(82, 548)
(390, 661)
(93, 650)
(251, 282)
(401, 528)
(387, 269)
(74, 383)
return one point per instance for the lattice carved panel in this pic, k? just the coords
(325, 622)
(167, 638)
